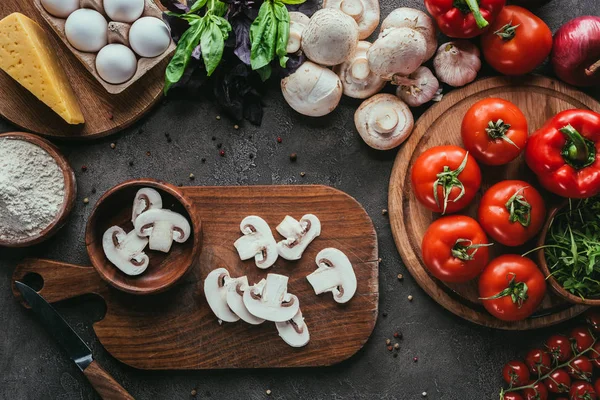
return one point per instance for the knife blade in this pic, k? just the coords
(74, 346)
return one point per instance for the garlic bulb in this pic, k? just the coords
(418, 88)
(457, 63)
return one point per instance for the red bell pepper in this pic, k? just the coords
(565, 154)
(464, 19)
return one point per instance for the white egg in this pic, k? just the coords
(149, 37)
(116, 63)
(87, 30)
(124, 10)
(60, 8)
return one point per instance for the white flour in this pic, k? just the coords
(32, 189)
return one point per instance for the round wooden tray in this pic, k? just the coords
(539, 98)
(104, 113)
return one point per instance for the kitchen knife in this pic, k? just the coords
(75, 347)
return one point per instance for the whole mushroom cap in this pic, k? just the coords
(312, 90)
(330, 37)
(406, 17)
(384, 121)
(397, 51)
(365, 12)
(357, 78)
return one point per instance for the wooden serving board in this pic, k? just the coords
(104, 113)
(177, 330)
(539, 98)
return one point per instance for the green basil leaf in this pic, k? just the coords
(263, 36)
(218, 8)
(212, 44)
(293, 2)
(283, 31)
(264, 72)
(188, 41)
(197, 6)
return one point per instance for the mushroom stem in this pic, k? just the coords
(326, 279)
(353, 8)
(593, 68)
(275, 288)
(360, 69)
(161, 238)
(384, 120)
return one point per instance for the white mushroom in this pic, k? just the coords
(397, 51)
(405, 17)
(357, 78)
(215, 290)
(271, 301)
(312, 90)
(235, 300)
(257, 242)
(145, 199)
(330, 37)
(163, 226)
(384, 121)
(334, 274)
(364, 12)
(125, 250)
(295, 331)
(457, 63)
(298, 235)
(418, 88)
(298, 22)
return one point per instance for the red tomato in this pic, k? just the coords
(517, 41)
(515, 373)
(494, 131)
(592, 317)
(539, 392)
(511, 287)
(455, 248)
(512, 212)
(582, 338)
(559, 347)
(558, 381)
(539, 362)
(594, 355)
(581, 368)
(597, 386)
(581, 390)
(445, 179)
(512, 396)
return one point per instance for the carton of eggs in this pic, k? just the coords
(116, 36)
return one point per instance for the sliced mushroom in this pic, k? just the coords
(384, 121)
(257, 242)
(364, 12)
(271, 301)
(215, 290)
(298, 22)
(125, 250)
(312, 90)
(418, 88)
(145, 199)
(397, 51)
(295, 331)
(330, 37)
(334, 274)
(405, 17)
(298, 235)
(235, 300)
(357, 78)
(163, 226)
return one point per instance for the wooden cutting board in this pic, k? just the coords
(177, 330)
(104, 113)
(539, 98)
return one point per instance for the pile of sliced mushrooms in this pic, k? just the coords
(334, 37)
(154, 227)
(232, 299)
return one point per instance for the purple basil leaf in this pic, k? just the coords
(177, 26)
(253, 109)
(175, 6)
(241, 26)
(235, 92)
(294, 62)
(309, 7)
(197, 53)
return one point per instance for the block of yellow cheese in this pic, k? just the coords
(28, 57)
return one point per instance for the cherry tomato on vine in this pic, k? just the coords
(455, 248)
(558, 381)
(581, 368)
(538, 392)
(597, 386)
(515, 373)
(559, 347)
(512, 212)
(592, 317)
(581, 390)
(594, 355)
(516, 42)
(538, 362)
(445, 179)
(582, 338)
(512, 396)
(494, 131)
(511, 287)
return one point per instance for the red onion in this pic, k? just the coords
(576, 52)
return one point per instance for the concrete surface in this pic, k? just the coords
(456, 359)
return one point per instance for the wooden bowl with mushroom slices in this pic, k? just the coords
(112, 215)
(70, 190)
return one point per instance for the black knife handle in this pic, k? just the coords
(105, 385)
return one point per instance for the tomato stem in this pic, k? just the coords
(448, 180)
(473, 6)
(507, 32)
(497, 130)
(578, 151)
(460, 251)
(516, 290)
(519, 208)
(593, 68)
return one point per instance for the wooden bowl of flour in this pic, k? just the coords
(33, 221)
